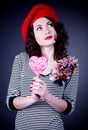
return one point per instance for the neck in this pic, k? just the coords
(48, 52)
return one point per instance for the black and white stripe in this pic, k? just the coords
(39, 116)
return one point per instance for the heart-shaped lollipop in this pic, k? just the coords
(38, 64)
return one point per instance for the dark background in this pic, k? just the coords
(74, 14)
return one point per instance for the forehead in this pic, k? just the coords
(40, 21)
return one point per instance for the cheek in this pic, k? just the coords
(38, 39)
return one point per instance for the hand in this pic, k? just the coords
(39, 88)
(35, 97)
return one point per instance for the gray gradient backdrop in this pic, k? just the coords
(74, 13)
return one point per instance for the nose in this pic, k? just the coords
(47, 30)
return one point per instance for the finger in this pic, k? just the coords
(31, 88)
(37, 79)
(36, 91)
(37, 83)
(35, 87)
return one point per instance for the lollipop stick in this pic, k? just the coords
(38, 75)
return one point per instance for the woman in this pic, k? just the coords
(44, 78)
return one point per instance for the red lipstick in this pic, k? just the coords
(47, 38)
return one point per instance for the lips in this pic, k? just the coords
(48, 38)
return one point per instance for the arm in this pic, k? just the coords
(67, 104)
(59, 105)
(70, 91)
(14, 99)
(23, 102)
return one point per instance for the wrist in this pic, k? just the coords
(47, 97)
(34, 98)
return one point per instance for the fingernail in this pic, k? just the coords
(30, 86)
(30, 90)
(33, 81)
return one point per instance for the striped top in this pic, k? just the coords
(38, 116)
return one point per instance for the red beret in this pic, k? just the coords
(39, 10)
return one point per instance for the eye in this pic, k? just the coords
(39, 28)
(50, 24)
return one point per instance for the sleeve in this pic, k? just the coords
(70, 92)
(15, 81)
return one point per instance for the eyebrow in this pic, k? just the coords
(41, 25)
(38, 25)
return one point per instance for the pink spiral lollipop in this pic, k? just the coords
(38, 64)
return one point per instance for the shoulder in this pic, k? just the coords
(69, 59)
(21, 55)
(69, 64)
(19, 58)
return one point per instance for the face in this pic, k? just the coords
(44, 32)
